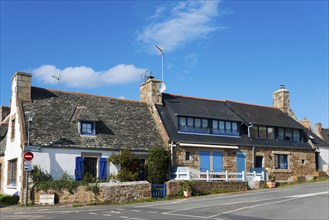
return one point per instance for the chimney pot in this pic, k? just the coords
(282, 86)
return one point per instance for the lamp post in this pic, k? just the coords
(29, 125)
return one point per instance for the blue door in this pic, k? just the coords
(204, 161)
(217, 161)
(240, 163)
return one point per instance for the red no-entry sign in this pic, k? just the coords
(28, 156)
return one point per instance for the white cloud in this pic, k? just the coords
(82, 76)
(187, 22)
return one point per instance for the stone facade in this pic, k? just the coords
(229, 157)
(109, 193)
(22, 86)
(149, 93)
(300, 162)
(174, 186)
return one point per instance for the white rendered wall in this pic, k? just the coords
(13, 150)
(57, 161)
(324, 159)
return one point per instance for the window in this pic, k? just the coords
(281, 134)
(254, 131)
(87, 128)
(235, 130)
(215, 129)
(207, 126)
(296, 135)
(187, 155)
(262, 132)
(190, 124)
(88, 165)
(12, 172)
(12, 133)
(259, 162)
(281, 161)
(197, 123)
(182, 124)
(288, 134)
(221, 127)
(228, 127)
(270, 133)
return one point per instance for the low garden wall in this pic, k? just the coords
(174, 186)
(104, 192)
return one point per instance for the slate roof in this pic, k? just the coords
(263, 115)
(55, 116)
(316, 140)
(3, 135)
(175, 105)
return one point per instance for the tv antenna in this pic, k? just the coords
(58, 78)
(161, 51)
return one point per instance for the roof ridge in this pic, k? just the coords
(218, 100)
(90, 95)
(192, 97)
(256, 105)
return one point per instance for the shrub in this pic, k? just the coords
(8, 199)
(129, 163)
(158, 165)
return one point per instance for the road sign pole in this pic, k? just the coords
(27, 188)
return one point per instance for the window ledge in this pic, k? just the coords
(11, 187)
(282, 171)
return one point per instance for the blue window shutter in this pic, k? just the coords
(204, 161)
(218, 161)
(78, 168)
(240, 162)
(102, 168)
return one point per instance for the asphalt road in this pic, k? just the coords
(306, 201)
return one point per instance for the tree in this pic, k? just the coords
(158, 165)
(129, 163)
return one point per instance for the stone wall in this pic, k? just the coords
(300, 162)
(109, 193)
(174, 186)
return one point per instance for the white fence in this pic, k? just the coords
(226, 176)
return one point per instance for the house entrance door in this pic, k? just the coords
(90, 166)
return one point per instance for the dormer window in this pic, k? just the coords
(87, 128)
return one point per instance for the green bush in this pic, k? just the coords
(129, 163)
(8, 199)
(158, 165)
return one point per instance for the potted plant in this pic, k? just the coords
(271, 181)
(187, 188)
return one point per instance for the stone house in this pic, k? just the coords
(4, 112)
(71, 132)
(220, 135)
(319, 139)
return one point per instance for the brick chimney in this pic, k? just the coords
(4, 112)
(149, 91)
(21, 86)
(281, 100)
(318, 129)
(306, 123)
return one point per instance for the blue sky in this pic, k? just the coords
(235, 50)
